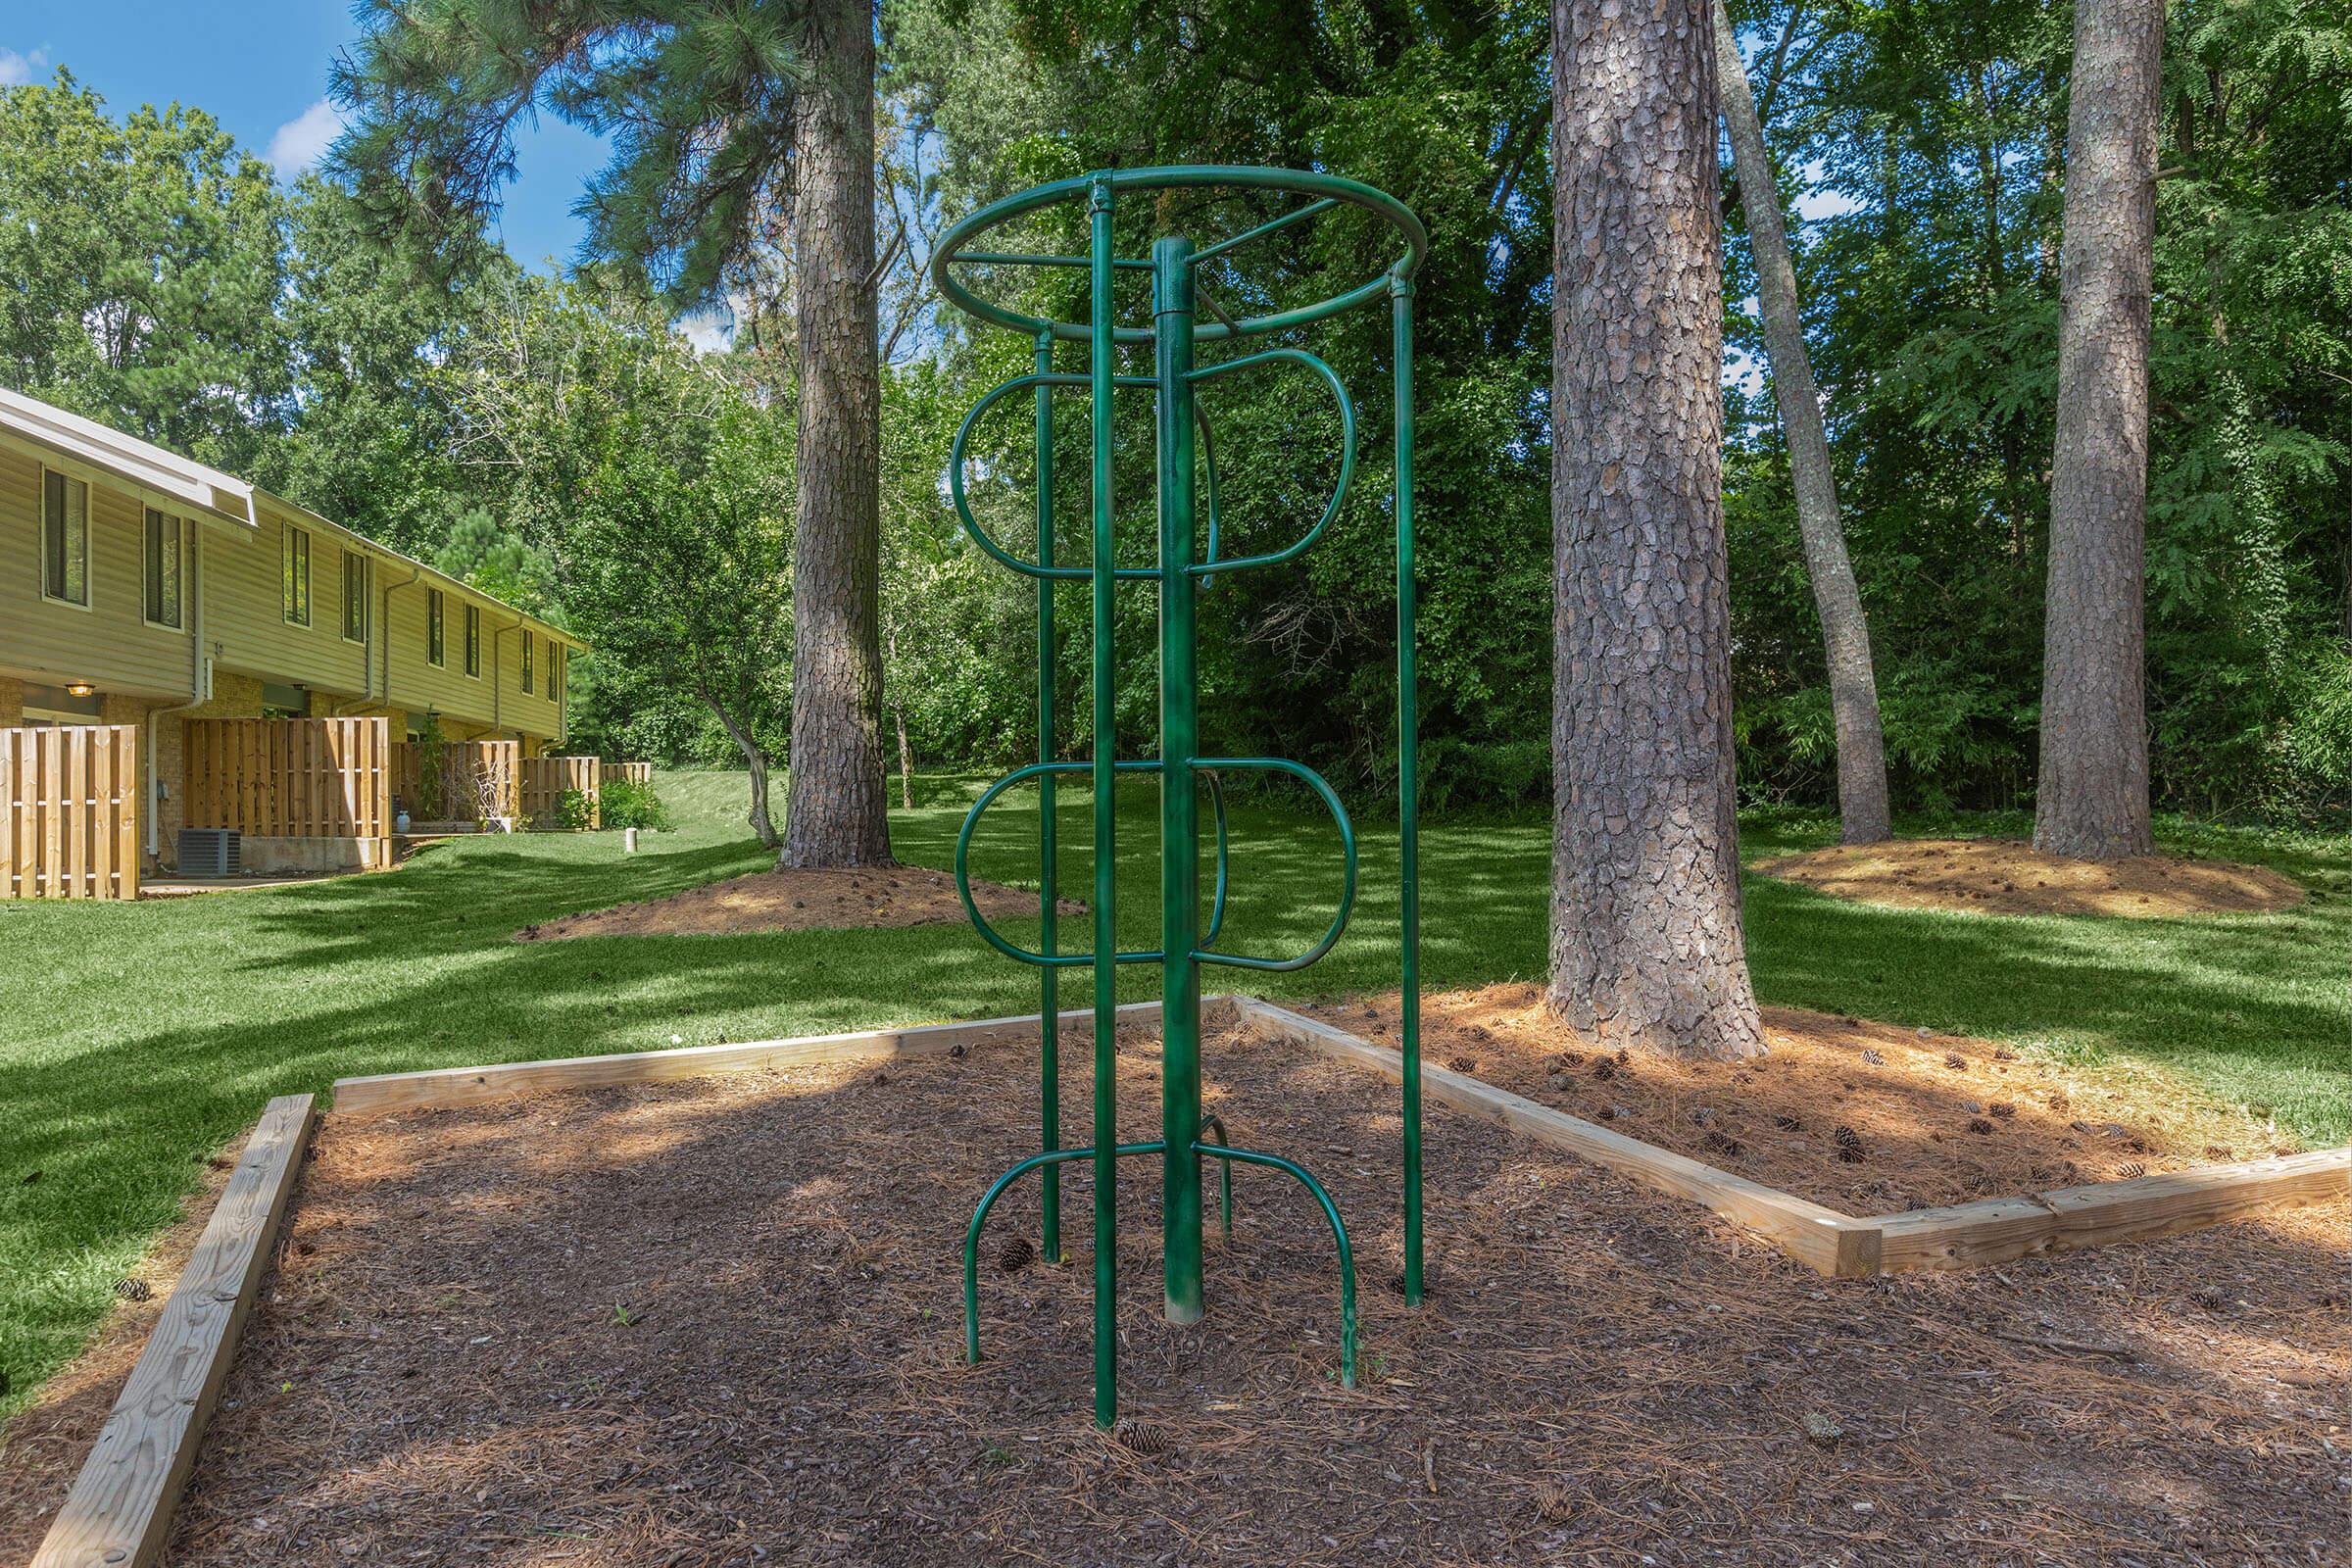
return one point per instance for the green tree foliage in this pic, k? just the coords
(141, 262)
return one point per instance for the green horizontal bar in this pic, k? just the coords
(1298, 214)
(1009, 258)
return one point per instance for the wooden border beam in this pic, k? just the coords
(1820, 1238)
(121, 1504)
(469, 1085)
(1958, 1236)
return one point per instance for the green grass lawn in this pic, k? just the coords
(141, 1039)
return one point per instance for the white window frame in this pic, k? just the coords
(84, 602)
(148, 517)
(287, 534)
(365, 584)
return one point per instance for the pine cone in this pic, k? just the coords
(1874, 1059)
(1604, 1070)
(2003, 1110)
(1142, 1437)
(1552, 1501)
(2131, 1170)
(1980, 1126)
(134, 1289)
(1956, 1061)
(1788, 1124)
(1462, 1063)
(1719, 1144)
(1849, 1144)
(1018, 1254)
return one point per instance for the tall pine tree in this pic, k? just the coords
(742, 136)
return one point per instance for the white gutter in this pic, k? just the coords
(162, 472)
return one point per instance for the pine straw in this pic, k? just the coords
(716, 1323)
(1931, 1131)
(2004, 876)
(869, 899)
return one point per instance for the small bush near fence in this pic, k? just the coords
(574, 810)
(628, 803)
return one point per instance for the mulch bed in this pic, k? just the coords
(869, 898)
(1869, 1118)
(2004, 876)
(716, 1323)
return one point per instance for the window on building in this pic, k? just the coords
(297, 576)
(529, 637)
(163, 568)
(555, 669)
(65, 538)
(355, 596)
(433, 649)
(473, 641)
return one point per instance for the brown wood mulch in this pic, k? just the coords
(867, 898)
(716, 1323)
(2004, 876)
(1868, 1118)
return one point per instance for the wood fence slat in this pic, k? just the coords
(120, 1507)
(69, 802)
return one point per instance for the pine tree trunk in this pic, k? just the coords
(1647, 947)
(1844, 630)
(2093, 799)
(836, 809)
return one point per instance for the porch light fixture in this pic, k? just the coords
(79, 688)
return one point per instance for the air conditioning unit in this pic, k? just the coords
(212, 851)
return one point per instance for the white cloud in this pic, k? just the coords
(16, 70)
(303, 140)
(711, 331)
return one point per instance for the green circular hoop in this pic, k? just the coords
(1324, 191)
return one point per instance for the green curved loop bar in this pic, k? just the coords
(1339, 494)
(963, 509)
(1030, 568)
(1224, 1172)
(1071, 961)
(1339, 815)
(971, 1232)
(1339, 1236)
(1129, 182)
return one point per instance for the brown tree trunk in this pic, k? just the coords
(1844, 630)
(835, 809)
(1646, 948)
(2093, 799)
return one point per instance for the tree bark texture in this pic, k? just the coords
(836, 806)
(1844, 630)
(1647, 947)
(2093, 800)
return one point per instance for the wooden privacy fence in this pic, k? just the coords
(69, 813)
(633, 772)
(546, 780)
(478, 779)
(289, 777)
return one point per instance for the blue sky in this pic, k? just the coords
(264, 77)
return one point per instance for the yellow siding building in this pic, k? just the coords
(137, 587)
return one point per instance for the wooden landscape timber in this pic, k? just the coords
(1959, 1236)
(468, 1085)
(120, 1507)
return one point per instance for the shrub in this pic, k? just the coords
(574, 811)
(630, 803)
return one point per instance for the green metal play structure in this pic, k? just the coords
(1180, 276)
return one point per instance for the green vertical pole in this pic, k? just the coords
(1179, 805)
(1104, 366)
(1048, 1022)
(1408, 805)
